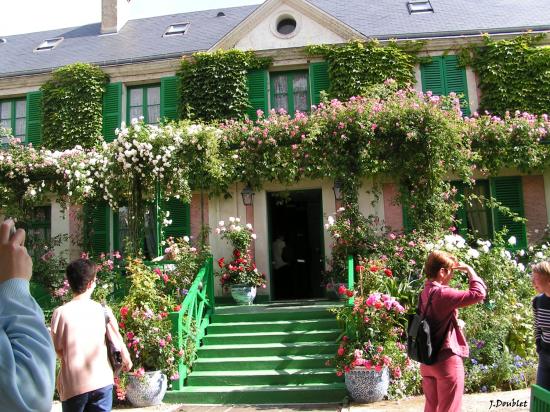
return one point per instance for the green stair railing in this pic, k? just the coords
(190, 322)
(351, 277)
(540, 399)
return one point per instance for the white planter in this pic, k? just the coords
(147, 390)
(366, 385)
(243, 294)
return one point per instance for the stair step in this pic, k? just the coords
(266, 314)
(263, 377)
(267, 349)
(329, 335)
(261, 362)
(259, 394)
(273, 326)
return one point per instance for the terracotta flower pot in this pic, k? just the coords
(147, 390)
(366, 385)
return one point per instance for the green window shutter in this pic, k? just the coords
(180, 217)
(169, 98)
(461, 214)
(319, 80)
(112, 110)
(508, 191)
(432, 76)
(455, 81)
(257, 92)
(97, 228)
(407, 225)
(34, 118)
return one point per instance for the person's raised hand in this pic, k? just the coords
(15, 262)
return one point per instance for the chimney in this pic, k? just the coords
(114, 15)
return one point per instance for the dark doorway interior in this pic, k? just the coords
(295, 220)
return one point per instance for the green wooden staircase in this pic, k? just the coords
(265, 354)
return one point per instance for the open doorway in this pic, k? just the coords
(296, 244)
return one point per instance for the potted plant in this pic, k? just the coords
(147, 329)
(240, 273)
(372, 347)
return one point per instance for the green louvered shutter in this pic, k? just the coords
(257, 92)
(407, 226)
(97, 229)
(455, 81)
(461, 214)
(432, 76)
(112, 110)
(169, 98)
(508, 191)
(34, 118)
(180, 217)
(319, 80)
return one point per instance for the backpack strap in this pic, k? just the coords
(418, 309)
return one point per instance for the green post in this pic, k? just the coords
(210, 283)
(158, 224)
(350, 277)
(177, 333)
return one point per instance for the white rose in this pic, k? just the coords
(512, 241)
(521, 267)
(231, 219)
(249, 226)
(186, 238)
(253, 236)
(221, 223)
(473, 253)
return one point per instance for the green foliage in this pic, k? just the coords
(356, 66)
(72, 106)
(213, 85)
(513, 74)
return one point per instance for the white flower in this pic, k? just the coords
(249, 226)
(237, 219)
(231, 219)
(521, 252)
(512, 241)
(330, 220)
(237, 228)
(253, 235)
(544, 247)
(221, 223)
(539, 255)
(521, 267)
(485, 249)
(473, 253)
(186, 238)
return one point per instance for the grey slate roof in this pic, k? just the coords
(391, 19)
(138, 40)
(141, 39)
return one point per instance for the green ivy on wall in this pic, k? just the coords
(72, 103)
(356, 66)
(213, 85)
(513, 74)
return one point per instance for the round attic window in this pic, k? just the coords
(286, 26)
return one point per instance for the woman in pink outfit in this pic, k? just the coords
(85, 380)
(443, 381)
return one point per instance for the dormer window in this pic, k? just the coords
(49, 44)
(416, 7)
(179, 28)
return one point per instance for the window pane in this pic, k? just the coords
(136, 112)
(136, 97)
(20, 127)
(477, 211)
(280, 87)
(153, 114)
(153, 96)
(5, 123)
(5, 110)
(299, 87)
(20, 109)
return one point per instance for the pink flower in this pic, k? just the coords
(341, 289)
(162, 343)
(175, 376)
(378, 368)
(341, 351)
(139, 373)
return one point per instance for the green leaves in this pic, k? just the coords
(72, 107)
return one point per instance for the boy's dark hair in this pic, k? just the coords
(79, 273)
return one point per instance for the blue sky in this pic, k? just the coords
(25, 16)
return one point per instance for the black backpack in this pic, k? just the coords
(420, 346)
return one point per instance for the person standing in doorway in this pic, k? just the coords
(85, 380)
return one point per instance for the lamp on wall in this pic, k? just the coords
(337, 188)
(248, 196)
